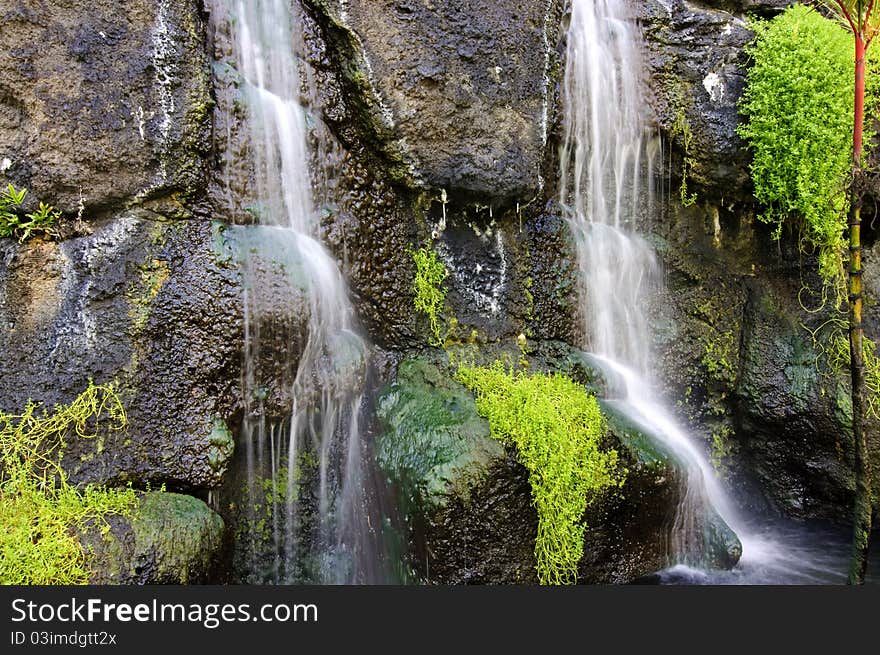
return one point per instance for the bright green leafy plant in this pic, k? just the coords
(557, 429)
(798, 104)
(40, 511)
(15, 224)
(430, 293)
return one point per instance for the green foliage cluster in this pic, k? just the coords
(40, 511)
(721, 451)
(799, 105)
(557, 429)
(428, 288)
(717, 354)
(13, 224)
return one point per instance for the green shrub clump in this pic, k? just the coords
(40, 511)
(14, 224)
(798, 102)
(557, 429)
(428, 288)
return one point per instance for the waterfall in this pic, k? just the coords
(607, 171)
(305, 470)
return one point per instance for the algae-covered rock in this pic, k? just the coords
(168, 539)
(433, 443)
(469, 501)
(795, 419)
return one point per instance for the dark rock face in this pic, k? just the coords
(737, 361)
(512, 259)
(755, 389)
(463, 87)
(109, 114)
(796, 421)
(169, 539)
(104, 105)
(147, 304)
(697, 67)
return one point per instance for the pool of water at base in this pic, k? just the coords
(776, 554)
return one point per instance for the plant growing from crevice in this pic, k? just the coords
(15, 223)
(681, 129)
(557, 430)
(428, 289)
(40, 510)
(721, 450)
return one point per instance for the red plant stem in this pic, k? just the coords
(859, 109)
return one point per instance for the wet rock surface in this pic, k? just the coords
(103, 106)
(697, 69)
(796, 420)
(169, 539)
(131, 118)
(146, 304)
(469, 501)
(727, 371)
(737, 362)
(463, 87)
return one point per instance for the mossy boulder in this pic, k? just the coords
(433, 443)
(469, 504)
(168, 539)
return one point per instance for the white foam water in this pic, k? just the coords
(607, 163)
(330, 368)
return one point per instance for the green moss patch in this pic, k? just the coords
(433, 444)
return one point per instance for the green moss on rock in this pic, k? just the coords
(169, 539)
(557, 429)
(433, 443)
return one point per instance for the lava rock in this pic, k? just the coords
(169, 539)
(697, 63)
(152, 306)
(796, 420)
(102, 106)
(469, 500)
(462, 88)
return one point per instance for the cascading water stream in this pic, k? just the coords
(607, 188)
(322, 423)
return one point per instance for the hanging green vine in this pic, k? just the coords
(557, 429)
(40, 511)
(831, 343)
(430, 294)
(681, 129)
(798, 105)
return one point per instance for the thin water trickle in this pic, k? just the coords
(608, 160)
(305, 488)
